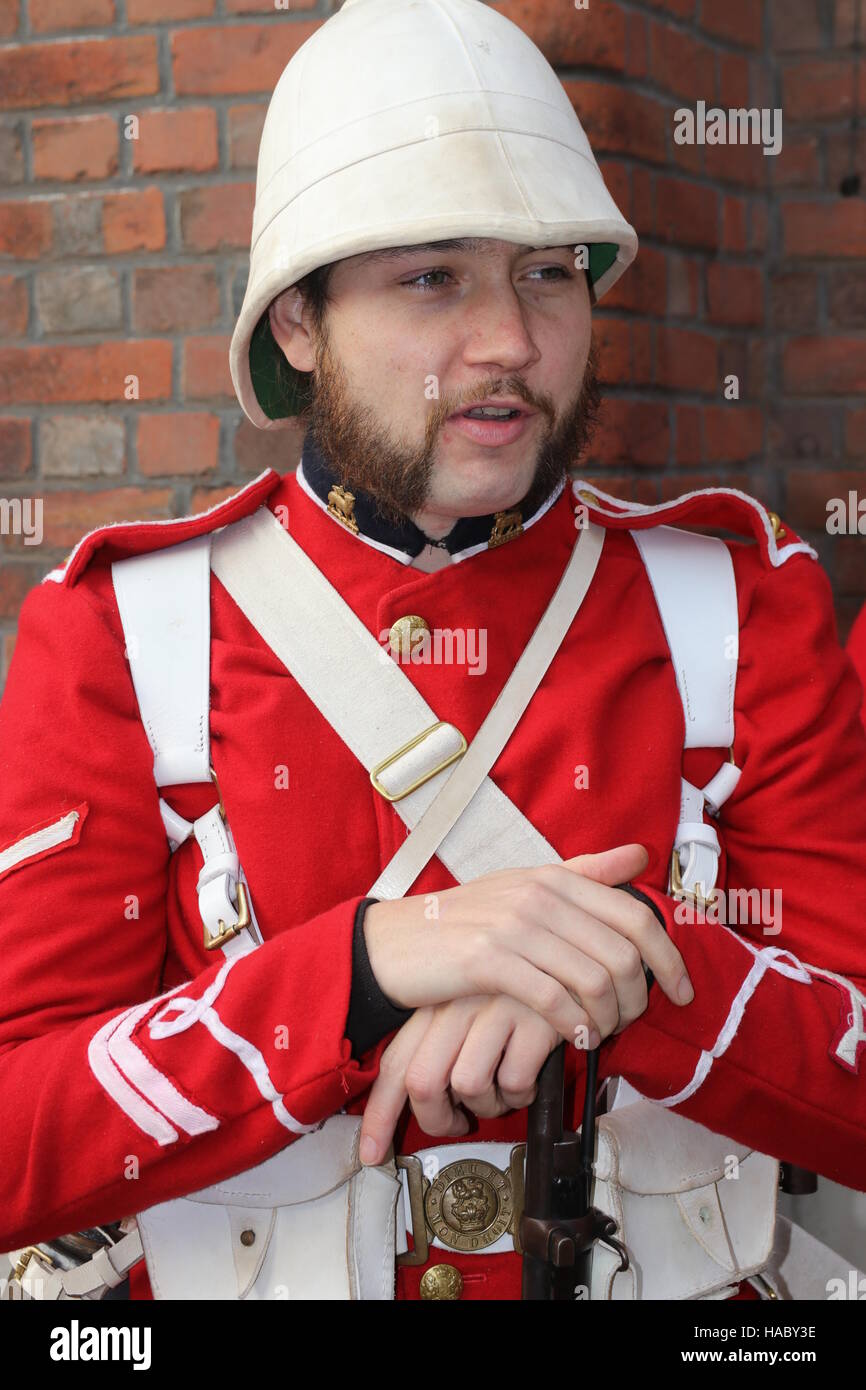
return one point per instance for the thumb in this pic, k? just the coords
(612, 866)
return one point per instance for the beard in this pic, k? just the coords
(396, 474)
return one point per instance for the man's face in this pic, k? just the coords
(413, 338)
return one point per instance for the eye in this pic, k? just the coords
(425, 275)
(564, 271)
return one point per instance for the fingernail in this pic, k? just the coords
(594, 1039)
(368, 1150)
(685, 993)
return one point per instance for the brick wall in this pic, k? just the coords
(123, 256)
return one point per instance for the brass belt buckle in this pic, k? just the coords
(425, 777)
(226, 933)
(24, 1259)
(467, 1206)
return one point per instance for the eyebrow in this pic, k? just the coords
(451, 244)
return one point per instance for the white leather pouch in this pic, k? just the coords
(309, 1223)
(695, 1211)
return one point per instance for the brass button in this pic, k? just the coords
(248, 1237)
(400, 638)
(441, 1281)
(778, 529)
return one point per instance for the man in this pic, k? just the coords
(469, 170)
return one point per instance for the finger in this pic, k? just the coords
(473, 1076)
(506, 972)
(428, 1074)
(529, 1047)
(612, 866)
(585, 977)
(629, 916)
(609, 949)
(388, 1094)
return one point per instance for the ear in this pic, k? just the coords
(287, 315)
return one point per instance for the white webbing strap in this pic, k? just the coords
(163, 598)
(375, 708)
(692, 578)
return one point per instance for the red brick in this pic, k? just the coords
(263, 6)
(155, 11)
(643, 201)
(736, 20)
(680, 63)
(686, 213)
(97, 372)
(245, 133)
(743, 164)
(733, 223)
(613, 339)
(846, 18)
(10, 12)
(843, 157)
(217, 215)
(569, 37)
(47, 15)
(16, 452)
(25, 229)
(684, 286)
(796, 164)
(819, 366)
(688, 158)
(82, 147)
(175, 299)
(686, 360)
(636, 432)
(818, 89)
(643, 287)
(809, 491)
(181, 443)
(680, 9)
(619, 120)
(689, 447)
(735, 293)
(178, 141)
(14, 311)
(206, 374)
(733, 432)
(795, 25)
(619, 485)
(637, 46)
(220, 60)
(824, 229)
(68, 72)
(642, 354)
(70, 514)
(733, 80)
(794, 302)
(133, 221)
(205, 497)
(846, 298)
(855, 432)
(758, 225)
(16, 580)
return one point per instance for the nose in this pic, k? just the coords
(498, 336)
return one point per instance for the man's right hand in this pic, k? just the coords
(562, 939)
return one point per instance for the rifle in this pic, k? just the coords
(559, 1227)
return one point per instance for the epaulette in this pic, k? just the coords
(137, 537)
(714, 508)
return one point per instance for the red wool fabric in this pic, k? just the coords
(109, 920)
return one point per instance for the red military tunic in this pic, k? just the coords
(857, 651)
(108, 919)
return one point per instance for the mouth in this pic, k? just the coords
(492, 424)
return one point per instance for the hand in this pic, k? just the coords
(487, 1049)
(561, 939)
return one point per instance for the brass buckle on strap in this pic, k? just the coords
(24, 1259)
(425, 777)
(226, 933)
(467, 1206)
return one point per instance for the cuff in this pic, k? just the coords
(371, 1014)
(643, 898)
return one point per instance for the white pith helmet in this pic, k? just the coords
(407, 121)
